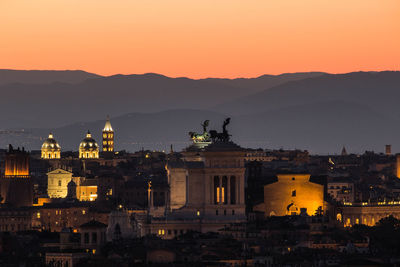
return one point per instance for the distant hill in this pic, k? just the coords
(378, 90)
(44, 76)
(320, 128)
(319, 112)
(253, 85)
(59, 103)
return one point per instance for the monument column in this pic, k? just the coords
(237, 189)
(228, 189)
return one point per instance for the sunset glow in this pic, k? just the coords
(200, 38)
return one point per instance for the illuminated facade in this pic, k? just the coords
(292, 194)
(57, 183)
(108, 137)
(206, 190)
(16, 187)
(88, 148)
(50, 148)
(16, 163)
(367, 213)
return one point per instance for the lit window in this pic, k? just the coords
(198, 213)
(83, 212)
(38, 215)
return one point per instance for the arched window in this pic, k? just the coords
(59, 182)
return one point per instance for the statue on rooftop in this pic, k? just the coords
(221, 137)
(201, 138)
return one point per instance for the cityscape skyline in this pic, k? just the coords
(199, 133)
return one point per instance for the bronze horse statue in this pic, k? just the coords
(221, 137)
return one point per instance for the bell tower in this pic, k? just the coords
(108, 137)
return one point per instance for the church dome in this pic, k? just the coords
(88, 143)
(50, 148)
(88, 148)
(51, 143)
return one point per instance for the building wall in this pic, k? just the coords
(15, 220)
(290, 194)
(177, 182)
(368, 214)
(57, 183)
(86, 193)
(341, 191)
(56, 218)
(17, 191)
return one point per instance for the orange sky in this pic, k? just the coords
(200, 38)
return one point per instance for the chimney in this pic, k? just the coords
(388, 150)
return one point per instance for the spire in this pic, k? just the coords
(88, 134)
(107, 126)
(51, 136)
(344, 152)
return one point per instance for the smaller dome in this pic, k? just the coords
(51, 143)
(88, 143)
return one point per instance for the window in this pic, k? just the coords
(293, 178)
(94, 237)
(86, 238)
(233, 212)
(59, 182)
(224, 212)
(216, 212)
(293, 193)
(198, 213)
